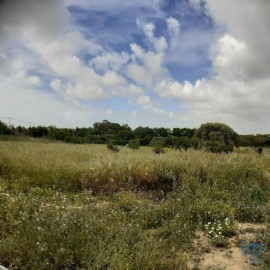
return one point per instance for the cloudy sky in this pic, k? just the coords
(171, 63)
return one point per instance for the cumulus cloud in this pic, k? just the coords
(160, 43)
(43, 18)
(23, 102)
(110, 61)
(173, 26)
(144, 101)
(57, 56)
(174, 31)
(196, 4)
(238, 92)
(40, 51)
(58, 52)
(115, 5)
(146, 68)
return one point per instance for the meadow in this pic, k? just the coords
(65, 206)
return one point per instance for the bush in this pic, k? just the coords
(111, 146)
(217, 137)
(134, 144)
(216, 144)
(182, 143)
(158, 141)
(158, 149)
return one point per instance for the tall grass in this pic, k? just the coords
(83, 207)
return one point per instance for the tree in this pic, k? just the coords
(217, 137)
(163, 132)
(106, 127)
(158, 141)
(183, 132)
(38, 132)
(195, 143)
(134, 144)
(176, 132)
(144, 134)
(182, 143)
(4, 130)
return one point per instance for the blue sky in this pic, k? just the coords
(153, 63)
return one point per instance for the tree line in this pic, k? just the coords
(216, 137)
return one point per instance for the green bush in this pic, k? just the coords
(134, 144)
(111, 146)
(158, 141)
(158, 149)
(217, 137)
(182, 143)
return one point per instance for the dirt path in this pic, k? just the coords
(207, 257)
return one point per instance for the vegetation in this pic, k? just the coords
(134, 144)
(158, 149)
(111, 146)
(215, 137)
(65, 206)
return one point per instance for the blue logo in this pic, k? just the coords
(254, 250)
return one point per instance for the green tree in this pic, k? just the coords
(4, 130)
(163, 132)
(182, 143)
(134, 144)
(217, 137)
(144, 135)
(176, 132)
(161, 141)
(183, 132)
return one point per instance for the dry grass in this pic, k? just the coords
(83, 207)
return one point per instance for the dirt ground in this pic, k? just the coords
(207, 257)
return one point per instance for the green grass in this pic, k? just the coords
(68, 206)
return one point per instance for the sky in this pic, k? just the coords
(156, 63)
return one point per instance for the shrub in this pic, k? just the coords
(158, 141)
(158, 149)
(111, 146)
(182, 143)
(134, 144)
(217, 137)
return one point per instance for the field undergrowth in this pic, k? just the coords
(82, 207)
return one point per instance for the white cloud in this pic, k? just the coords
(133, 89)
(173, 26)
(115, 5)
(3, 62)
(42, 18)
(160, 43)
(134, 114)
(144, 101)
(109, 112)
(238, 92)
(37, 46)
(196, 4)
(34, 80)
(110, 60)
(146, 68)
(254, 33)
(56, 85)
(23, 102)
(161, 112)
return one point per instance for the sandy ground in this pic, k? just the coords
(207, 257)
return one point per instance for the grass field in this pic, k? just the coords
(82, 207)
